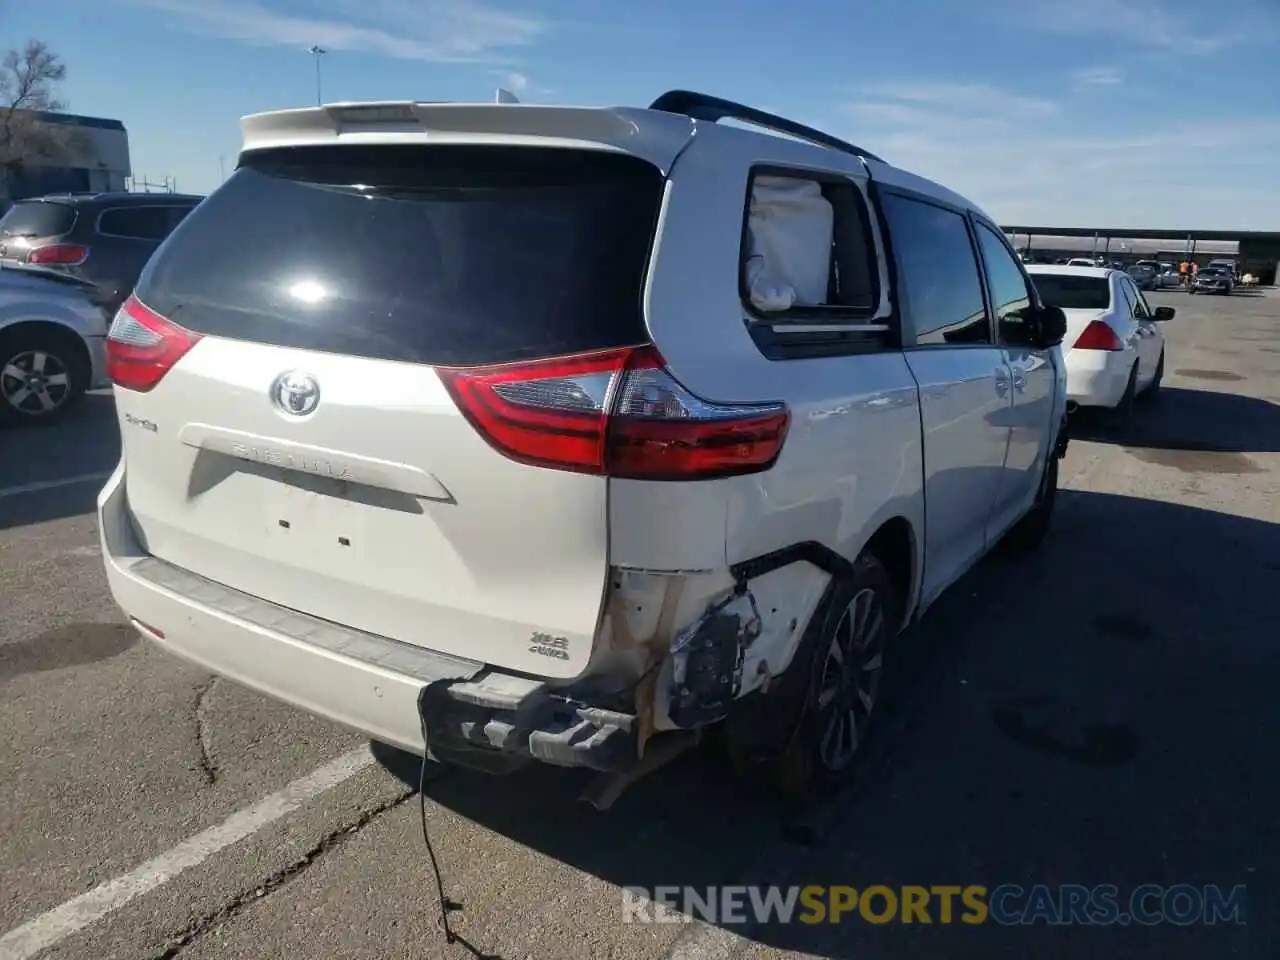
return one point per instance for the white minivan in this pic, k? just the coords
(505, 433)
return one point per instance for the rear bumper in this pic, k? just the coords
(380, 687)
(1097, 378)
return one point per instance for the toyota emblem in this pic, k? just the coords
(295, 393)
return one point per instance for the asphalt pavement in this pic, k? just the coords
(1104, 712)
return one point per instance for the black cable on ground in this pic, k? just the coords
(445, 904)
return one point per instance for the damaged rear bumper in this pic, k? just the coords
(497, 722)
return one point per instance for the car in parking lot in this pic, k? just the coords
(1213, 280)
(52, 333)
(1143, 276)
(104, 238)
(1167, 276)
(1225, 264)
(482, 464)
(1114, 344)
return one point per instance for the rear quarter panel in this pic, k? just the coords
(24, 301)
(852, 458)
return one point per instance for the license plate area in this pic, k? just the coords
(313, 519)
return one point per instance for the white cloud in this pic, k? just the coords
(444, 31)
(1179, 26)
(1029, 160)
(971, 99)
(513, 81)
(1098, 76)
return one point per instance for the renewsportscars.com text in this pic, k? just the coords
(1007, 905)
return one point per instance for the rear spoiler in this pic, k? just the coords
(650, 135)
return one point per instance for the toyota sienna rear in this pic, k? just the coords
(372, 398)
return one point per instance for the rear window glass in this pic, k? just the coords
(443, 255)
(137, 223)
(38, 220)
(1073, 293)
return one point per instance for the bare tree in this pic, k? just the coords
(28, 80)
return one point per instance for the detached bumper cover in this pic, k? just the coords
(383, 688)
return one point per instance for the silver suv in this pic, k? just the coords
(507, 432)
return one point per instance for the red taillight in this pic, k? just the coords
(617, 413)
(1098, 336)
(143, 346)
(59, 254)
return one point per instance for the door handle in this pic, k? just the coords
(1019, 382)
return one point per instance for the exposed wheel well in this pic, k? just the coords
(894, 546)
(78, 352)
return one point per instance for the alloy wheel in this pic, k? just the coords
(850, 680)
(35, 383)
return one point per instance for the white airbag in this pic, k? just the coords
(789, 235)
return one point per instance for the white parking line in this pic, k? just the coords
(40, 485)
(77, 913)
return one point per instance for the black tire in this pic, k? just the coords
(1153, 388)
(1118, 417)
(846, 673)
(1029, 533)
(44, 373)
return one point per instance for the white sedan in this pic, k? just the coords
(1114, 347)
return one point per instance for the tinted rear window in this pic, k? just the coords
(442, 255)
(38, 219)
(138, 223)
(1073, 293)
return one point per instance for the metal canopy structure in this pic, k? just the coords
(1136, 233)
(1256, 250)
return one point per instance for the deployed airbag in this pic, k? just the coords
(789, 236)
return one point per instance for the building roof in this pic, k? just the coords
(74, 120)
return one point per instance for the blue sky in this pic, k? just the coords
(1158, 113)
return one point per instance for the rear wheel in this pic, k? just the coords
(846, 682)
(1122, 413)
(1153, 388)
(43, 375)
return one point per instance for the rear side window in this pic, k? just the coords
(807, 248)
(1073, 293)
(137, 223)
(38, 219)
(939, 272)
(448, 255)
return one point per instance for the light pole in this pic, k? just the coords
(317, 52)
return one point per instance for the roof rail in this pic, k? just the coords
(701, 106)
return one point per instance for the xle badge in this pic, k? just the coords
(546, 645)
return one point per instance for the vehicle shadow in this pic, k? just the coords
(36, 459)
(1102, 712)
(1191, 421)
